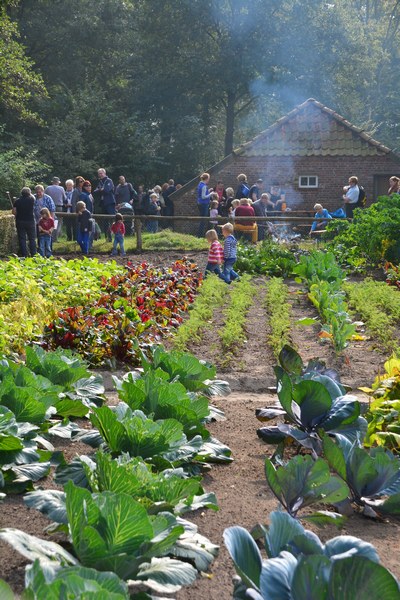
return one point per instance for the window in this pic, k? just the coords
(308, 181)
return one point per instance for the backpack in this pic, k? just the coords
(362, 199)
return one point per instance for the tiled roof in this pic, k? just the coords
(312, 129)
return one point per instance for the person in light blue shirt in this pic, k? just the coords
(321, 213)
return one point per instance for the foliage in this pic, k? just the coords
(18, 80)
(324, 279)
(267, 258)
(7, 234)
(66, 582)
(373, 477)
(170, 490)
(379, 307)
(19, 167)
(135, 308)
(36, 288)
(279, 310)
(212, 294)
(383, 414)
(373, 235)
(196, 375)
(300, 567)
(311, 403)
(302, 482)
(233, 332)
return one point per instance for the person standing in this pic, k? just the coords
(124, 192)
(105, 195)
(169, 209)
(57, 194)
(350, 196)
(394, 185)
(255, 190)
(261, 210)
(203, 202)
(69, 208)
(45, 227)
(42, 200)
(25, 223)
(243, 189)
(118, 230)
(83, 233)
(230, 253)
(86, 195)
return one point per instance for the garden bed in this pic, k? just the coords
(241, 489)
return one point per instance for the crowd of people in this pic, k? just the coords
(38, 227)
(247, 201)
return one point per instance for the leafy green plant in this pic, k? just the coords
(379, 307)
(300, 567)
(302, 482)
(324, 279)
(373, 477)
(310, 403)
(113, 532)
(267, 258)
(212, 294)
(162, 399)
(373, 234)
(279, 310)
(170, 490)
(196, 375)
(233, 332)
(72, 582)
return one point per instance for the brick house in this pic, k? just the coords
(311, 152)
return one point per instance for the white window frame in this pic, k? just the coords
(308, 185)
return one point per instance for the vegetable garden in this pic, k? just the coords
(161, 434)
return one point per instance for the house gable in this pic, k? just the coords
(312, 129)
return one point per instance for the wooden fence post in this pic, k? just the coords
(138, 231)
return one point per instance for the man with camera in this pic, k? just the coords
(104, 194)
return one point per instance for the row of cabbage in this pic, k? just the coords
(121, 508)
(320, 459)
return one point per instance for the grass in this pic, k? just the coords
(379, 307)
(164, 240)
(233, 333)
(279, 311)
(213, 293)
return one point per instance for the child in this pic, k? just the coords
(229, 253)
(153, 208)
(45, 229)
(84, 226)
(118, 229)
(215, 254)
(214, 212)
(232, 209)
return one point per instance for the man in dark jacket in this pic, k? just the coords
(25, 222)
(260, 209)
(104, 194)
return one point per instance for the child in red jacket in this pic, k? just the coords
(215, 253)
(118, 230)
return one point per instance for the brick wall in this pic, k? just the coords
(332, 171)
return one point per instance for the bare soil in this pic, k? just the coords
(240, 487)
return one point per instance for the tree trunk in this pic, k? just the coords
(230, 122)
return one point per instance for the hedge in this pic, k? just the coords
(8, 234)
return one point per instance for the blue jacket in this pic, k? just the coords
(203, 195)
(106, 189)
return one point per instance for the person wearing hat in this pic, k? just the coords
(255, 190)
(321, 213)
(57, 194)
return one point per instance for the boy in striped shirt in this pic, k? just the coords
(215, 254)
(230, 245)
